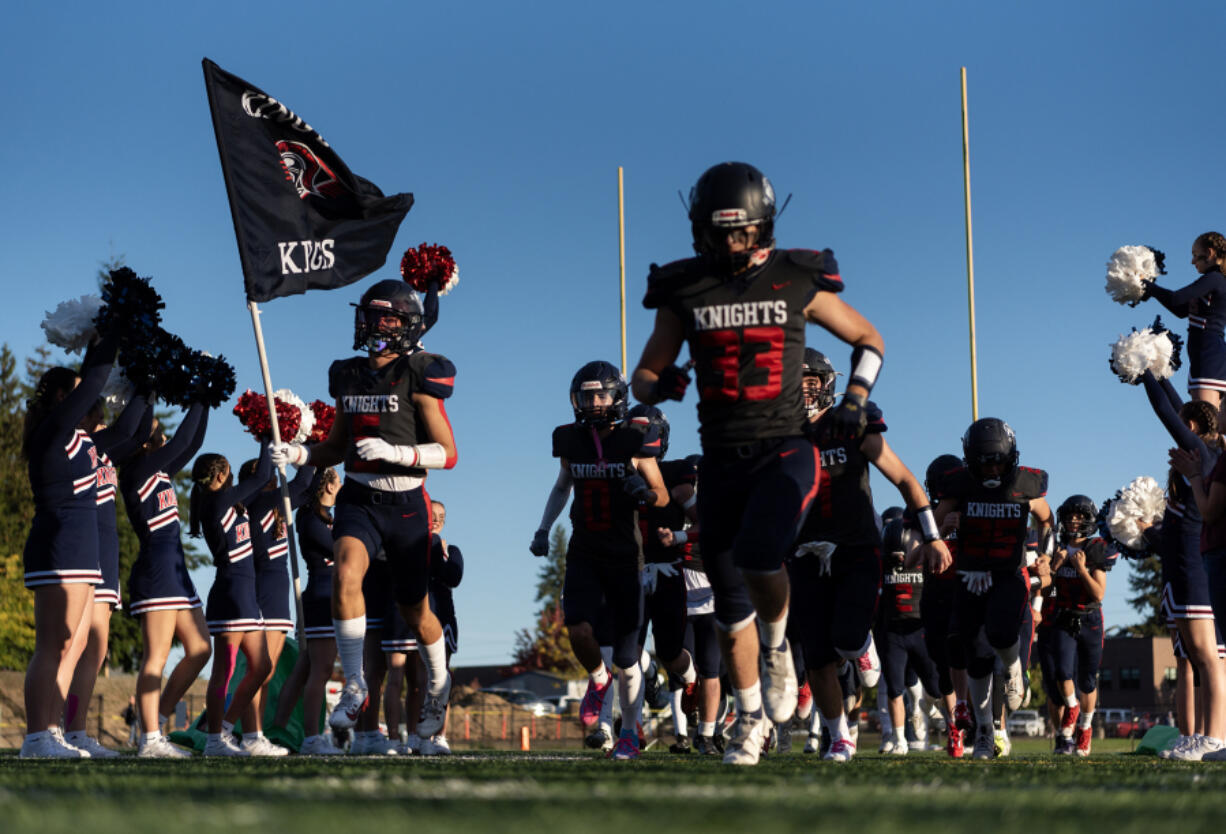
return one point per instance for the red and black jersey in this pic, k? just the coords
(604, 519)
(746, 335)
(992, 529)
(378, 402)
(671, 515)
(842, 512)
(1067, 591)
(901, 592)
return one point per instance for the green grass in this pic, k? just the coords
(547, 792)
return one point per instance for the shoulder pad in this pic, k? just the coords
(435, 374)
(876, 421)
(1098, 555)
(562, 440)
(958, 483)
(663, 280)
(648, 441)
(822, 265)
(1030, 483)
(336, 372)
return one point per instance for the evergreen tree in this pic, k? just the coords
(1145, 582)
(547, 646)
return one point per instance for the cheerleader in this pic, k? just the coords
(113, 443)
(160, 590)
(1193, 426)
(270, 541)
(314, 666)
(60, 559)
(219, 513)
(1203, 304)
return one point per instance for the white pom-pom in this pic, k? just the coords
(1128, 271)
(1141, 500)
(71, 325)
(452, 280)
(306, 417)
(118, 389)
(1142, 350)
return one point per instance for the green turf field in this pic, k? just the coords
(570, 791)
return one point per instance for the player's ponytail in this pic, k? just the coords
(323, 478)
(52, 386)
(207, 467)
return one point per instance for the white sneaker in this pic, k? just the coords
(813, 744)
(353, 700)
(1197, 749)
(319, 745)
(842, 751)
(50, 745)
(223, 745)
(868, 665)
(900, 748)
(887, 745)
(374, 744)
(1215, 751)
(260, 747)
(1002, 746)
(1180, 742)
(1015, 685)
(90, 745)
(748, 737)
(434, 711)
(435, 746)
(985, 742)
(779, 688)
(162, 748)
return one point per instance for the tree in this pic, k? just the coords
(1145, 582)
(547, 647)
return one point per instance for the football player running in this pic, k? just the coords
(994, 498)
(836, 571)
(611, 467)
(742, 306)
(391, 429)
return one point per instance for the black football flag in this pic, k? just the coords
(303, 220)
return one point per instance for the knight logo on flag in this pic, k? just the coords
(303, 220)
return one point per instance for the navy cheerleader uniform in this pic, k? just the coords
(270, 551)
(62, 547)
(315, 543)
(1203, 304)
(446, 572)
(115, 442)
(159, 580)
(232, 602)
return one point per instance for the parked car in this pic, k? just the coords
(524, 699)
(1025, 722)
(1112, 718)
(1135, 726)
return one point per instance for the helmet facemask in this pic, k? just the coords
(379, 328)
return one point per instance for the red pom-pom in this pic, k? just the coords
(252, 412)
(325, 415)
(429, 263)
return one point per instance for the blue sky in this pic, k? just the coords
(1093, 125)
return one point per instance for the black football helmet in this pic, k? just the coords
(989, 440)
(816, 365)
(1077, 518)
(650, 415)
(731, 195)
(592, 380)
(940, 469)
(388, 319)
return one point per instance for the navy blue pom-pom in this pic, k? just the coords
(130, 307)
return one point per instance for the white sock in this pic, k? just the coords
(434, 655)
(1070, 700)
(837, 727)
(1086, 719)
(679, 719)
(640, 696)
(749, 699)
(815, 722)
(601, 676)
(350, 638)
(630, 690)
(149, 738)
(706, 728)
(900, 735)
(981, 699)
(690, 675)
(773, 634)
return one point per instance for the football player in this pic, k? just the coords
(391, 429)
(664, 606)
(836, 570)
(1074, 608)
(742, 305)
(610, 465)
(994, 499)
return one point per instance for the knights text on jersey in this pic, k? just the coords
(671, 515)
(378, 402)
(842, 512)
(604, 519)
(1068, 591)
(993, 522)
(901, 594)
(747, 338)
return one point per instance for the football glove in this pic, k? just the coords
(540, 543)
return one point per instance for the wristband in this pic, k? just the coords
(865, 365)
(928, 524)
(680, 537)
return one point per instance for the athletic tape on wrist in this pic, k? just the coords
(928, 524)
(865, 366)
